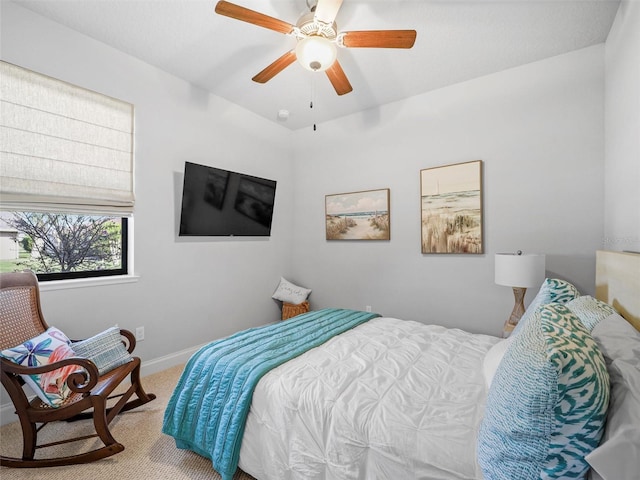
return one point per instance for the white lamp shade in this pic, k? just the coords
(316, 53)
(523, 271)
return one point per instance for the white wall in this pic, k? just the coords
(190, 291)
(622, 137)
(539, 130)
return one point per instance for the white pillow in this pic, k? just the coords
(617, 456)
(493, 358)
(290, 293)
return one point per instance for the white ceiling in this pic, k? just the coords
(456, 41)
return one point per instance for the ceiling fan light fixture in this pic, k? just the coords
(316, 53)
(317, 38)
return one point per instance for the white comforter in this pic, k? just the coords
(391, 399)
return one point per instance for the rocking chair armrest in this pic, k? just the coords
(131, 339)
(80, 381)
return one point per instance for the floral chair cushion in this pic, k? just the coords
(48, 347)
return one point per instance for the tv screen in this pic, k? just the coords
(218, 202)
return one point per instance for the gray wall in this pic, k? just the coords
(538, 128)
(539, 131)
(189, 291)
(622, 127)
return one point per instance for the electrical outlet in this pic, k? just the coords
(368, 308)
(140, 333)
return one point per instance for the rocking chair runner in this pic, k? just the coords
(20, 320)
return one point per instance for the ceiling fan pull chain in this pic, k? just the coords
(313, 88)
(313, 92)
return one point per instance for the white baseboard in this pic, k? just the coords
(167, 361)
(8, 415)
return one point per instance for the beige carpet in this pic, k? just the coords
(148, 454)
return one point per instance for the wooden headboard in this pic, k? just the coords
(618, 283)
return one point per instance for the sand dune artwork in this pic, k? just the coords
(451, 208)
(358, 215)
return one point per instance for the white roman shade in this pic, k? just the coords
(63, 148)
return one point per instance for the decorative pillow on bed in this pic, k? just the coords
(617, 456)
(290, 293)
(547, 403)
(105, 349)
(48, 347)
(552, 290)
(590, 311)
(493, 358)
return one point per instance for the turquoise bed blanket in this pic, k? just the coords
(209, 406)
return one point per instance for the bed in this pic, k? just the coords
(386, 398)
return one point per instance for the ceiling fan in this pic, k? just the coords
(317, 37)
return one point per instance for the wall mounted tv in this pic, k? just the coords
(218, 202)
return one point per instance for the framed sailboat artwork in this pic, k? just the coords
(451, 208)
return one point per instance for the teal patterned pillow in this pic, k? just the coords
(548, 401)
(590, 311)
(552, 290)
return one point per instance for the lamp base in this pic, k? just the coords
(518, 311)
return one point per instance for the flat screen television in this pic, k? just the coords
(218, 202)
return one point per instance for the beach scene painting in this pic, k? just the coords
(358, 215)
(451, 209)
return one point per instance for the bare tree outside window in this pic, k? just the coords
(64, 244)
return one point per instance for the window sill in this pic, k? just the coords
(86, 282)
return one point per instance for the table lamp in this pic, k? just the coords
(519, 271)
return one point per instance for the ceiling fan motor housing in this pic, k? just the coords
(309, 26)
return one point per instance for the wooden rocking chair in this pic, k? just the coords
(20, 320)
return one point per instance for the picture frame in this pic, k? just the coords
(452, 209)
(363, 215)
(255, 200)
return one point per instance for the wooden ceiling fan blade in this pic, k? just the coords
(379, 39)
(338, 79)
(326, 10)
(276, 67)
(251, 16)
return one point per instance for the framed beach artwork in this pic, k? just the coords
(358, 215)
(451, 208)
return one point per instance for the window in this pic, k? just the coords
(59, 246)
(66, 177)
